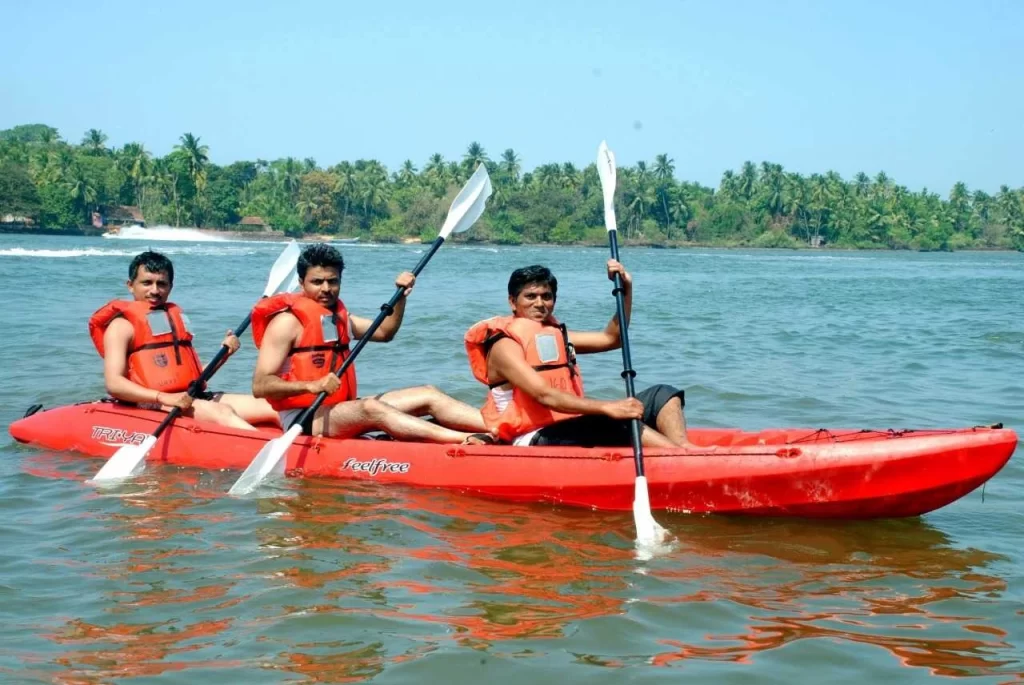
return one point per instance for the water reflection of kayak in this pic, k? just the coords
(787, 472)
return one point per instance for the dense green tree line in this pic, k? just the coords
(59, 184)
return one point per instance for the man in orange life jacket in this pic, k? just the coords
(303, 338)
(528, 362)
(148, 358)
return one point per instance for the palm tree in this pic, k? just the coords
(747, 180)
(94, 141)
(81, 190)
(406, 176)
(290, 173)
(196, 158)
(372, 188)
(474, 157)
(134, 162)
(510, 165)
(345, 187)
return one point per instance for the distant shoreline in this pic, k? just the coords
(278, 236)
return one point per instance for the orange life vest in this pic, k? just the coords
(546, 348)
(313, 357)
(161, 356)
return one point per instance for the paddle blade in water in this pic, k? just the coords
(650, 537)
(469, 204)
(606, 172)
(270, 461)
(283, 270)
(127, 461)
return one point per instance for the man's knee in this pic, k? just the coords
(375, 409)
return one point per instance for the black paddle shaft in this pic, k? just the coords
(386, 310)
(628, 374)
(204, 377)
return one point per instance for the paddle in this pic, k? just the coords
(463, 213)
(648, 532)
(130, 459)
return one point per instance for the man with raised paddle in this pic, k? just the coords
(303, 338)
(535, 389)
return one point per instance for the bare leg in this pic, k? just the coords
(221, 414)
(672, 422)
(349, 419)
(446, 410)
(251, 409)
(652, 438)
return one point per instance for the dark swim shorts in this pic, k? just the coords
(602, 431)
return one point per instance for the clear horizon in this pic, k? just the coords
(925, 91)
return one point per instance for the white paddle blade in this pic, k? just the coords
(128, 460)
(270, 461)
(649, 535)
(606, 172)
(283, 270)
(469, 204)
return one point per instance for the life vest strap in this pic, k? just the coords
(321, 348)
(159, 345)
(539, 367)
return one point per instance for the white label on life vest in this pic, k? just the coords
(328, 328)
(547, 348)
(159, 322)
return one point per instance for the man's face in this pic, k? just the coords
(535, 302)
(149, 286)
(322, 284)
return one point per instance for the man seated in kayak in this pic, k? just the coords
(528, 362)
(148, 357)
(303, 338)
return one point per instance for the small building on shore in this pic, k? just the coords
(13, 221)
(254, 223)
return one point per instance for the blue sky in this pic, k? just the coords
(929, 92)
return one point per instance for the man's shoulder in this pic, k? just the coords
(120, 327)
(283, 322)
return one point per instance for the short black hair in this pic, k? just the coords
(531, 275)
(319, 254)
(154, 263)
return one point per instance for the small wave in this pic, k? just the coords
(166, 233)
(63, 254)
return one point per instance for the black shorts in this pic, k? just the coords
(594, 430)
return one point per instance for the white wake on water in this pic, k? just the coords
(88, 252)
(167, 233)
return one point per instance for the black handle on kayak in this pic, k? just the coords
(386, 310)
(627, 365)
(195, 386)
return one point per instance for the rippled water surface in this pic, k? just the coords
(167, 580)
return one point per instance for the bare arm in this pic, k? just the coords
(589, 342)
(282, 333)
(389, 326)
(506, 361)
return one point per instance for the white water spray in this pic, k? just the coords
(167, 233)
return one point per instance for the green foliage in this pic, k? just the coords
(58, 209)
(758, 205)
(18, 195)
(30, 133)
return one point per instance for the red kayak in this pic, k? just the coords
(790, 472)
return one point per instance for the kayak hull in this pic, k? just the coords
(854, 474)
